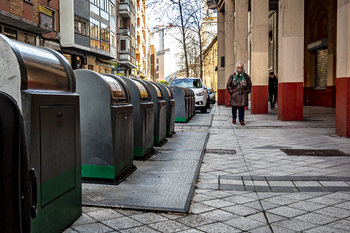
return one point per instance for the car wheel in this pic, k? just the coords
(204, 110)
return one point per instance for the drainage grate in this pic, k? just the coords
(303, 152)
(220, 151)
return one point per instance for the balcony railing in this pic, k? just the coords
(124, 32)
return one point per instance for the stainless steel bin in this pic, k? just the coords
(42, 82)
(107, 132)
(159, 114)
(170, 109)
(143, 114)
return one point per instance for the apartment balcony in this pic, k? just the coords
(124, 9)
(212, 4)
(124, 32)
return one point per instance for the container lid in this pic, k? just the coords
(116, 88)
(159, 93)
(142, 89)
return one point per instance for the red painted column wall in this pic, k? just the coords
(290, 101)
(221, 96)
(259, 99)
(342, 109)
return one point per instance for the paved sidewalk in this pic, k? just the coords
(247, 184)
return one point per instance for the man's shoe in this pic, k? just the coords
(234, 121)
(242, 123)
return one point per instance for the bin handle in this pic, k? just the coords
(34, 205)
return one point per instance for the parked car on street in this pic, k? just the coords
(198, 88)
(211, 93)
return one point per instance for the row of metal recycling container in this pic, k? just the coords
(59, 126)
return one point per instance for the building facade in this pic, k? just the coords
(305, 43)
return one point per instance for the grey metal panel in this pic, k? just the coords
(82, 40)
(170, 108)
(82, 9)
(95, 113)
(180, 101)
(57, 133)
(123, 137)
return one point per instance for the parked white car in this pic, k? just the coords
(198, 88)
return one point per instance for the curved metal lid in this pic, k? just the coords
(116, 88)
(41, 68)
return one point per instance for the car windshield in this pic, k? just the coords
(186, 82)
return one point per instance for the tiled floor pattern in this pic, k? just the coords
(258, 162)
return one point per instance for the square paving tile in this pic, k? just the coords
(105, 214)
(232, 187)
(271, 218)
(241, 210)
(244, 224)
(169, 226)
(233, 182)
(218, 227)
(84, 219)
(325, 229)
(315, 218)
(334, 212)
(307, 184)
(121, 223)
(198, 197)
(218, 203)
(338, 188)
(219, 215)
(281, 200)
(325, 200)
(283, 189)
(143, 229)
(239, 199)
(195, 220)
(313, 189)
(307, 206)
(148, 218)
(286, 211)
(334, 183)
(343, 224)
(344, 205)
(92, 228)
(294, 225)
(197, 208)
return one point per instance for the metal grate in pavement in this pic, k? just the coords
(164, 183)
(303, 152)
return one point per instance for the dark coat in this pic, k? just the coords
(273, 85)
(238, 93)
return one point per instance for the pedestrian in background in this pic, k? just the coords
(273, 86)
(239, 86)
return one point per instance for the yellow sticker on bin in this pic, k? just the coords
(142, 89)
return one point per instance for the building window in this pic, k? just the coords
(81, 27)
(157, 60)
(104, 32)
(157, 76)
(113, 40)
(90, 67)
(112, 10)
(95, 43)
(157, 68)
(10, 33)
(94, 28)
(122, 45)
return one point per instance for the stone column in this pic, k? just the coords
(260, 56)
(221, 58)
(229, 43)
(241, 29)
(342, 107)
(291, 59)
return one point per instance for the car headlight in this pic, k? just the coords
(200, 93)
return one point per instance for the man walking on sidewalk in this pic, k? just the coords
(239, 86)
(273, 85)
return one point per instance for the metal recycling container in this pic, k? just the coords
(170, 109)
(42, 82)
(143, 114)
(107, 132)
(159, 113)
(181, 103)
(17, 203)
